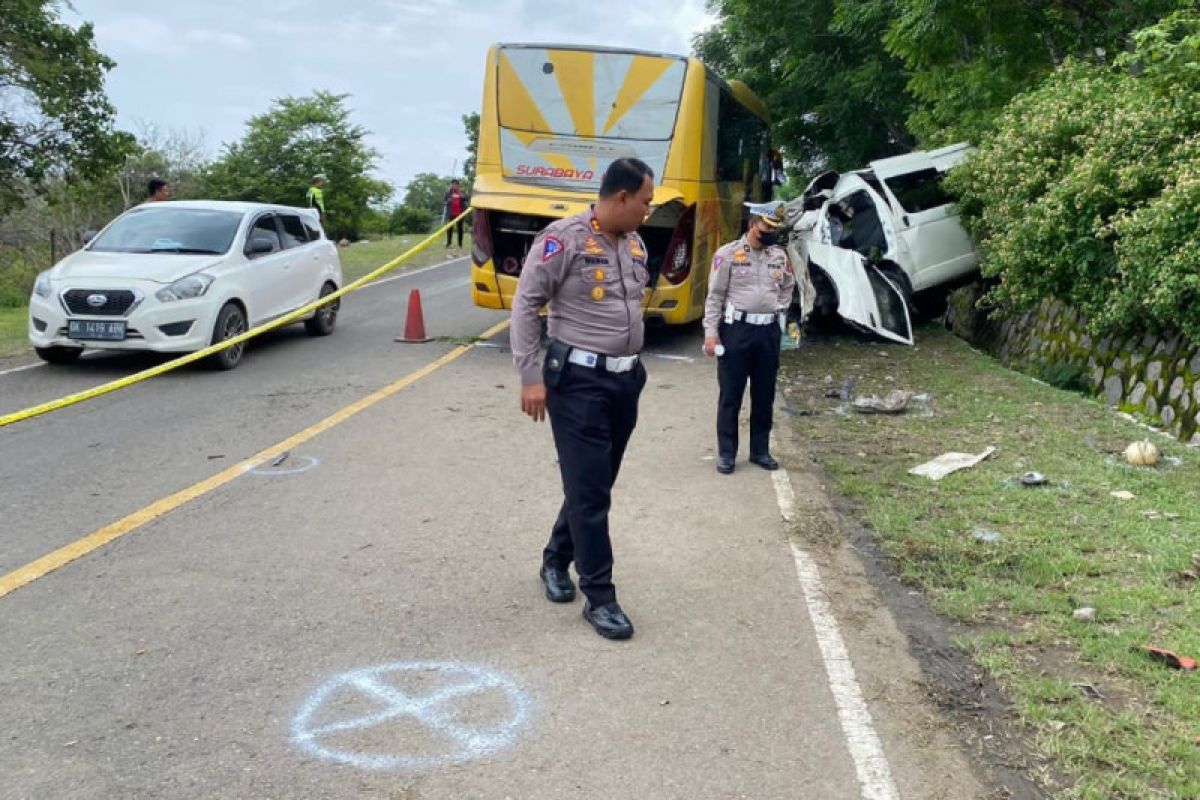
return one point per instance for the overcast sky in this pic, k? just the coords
(413, 67)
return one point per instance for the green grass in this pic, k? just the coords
(1066, 545)
(357, 260)
(360, 259)
(14, 324)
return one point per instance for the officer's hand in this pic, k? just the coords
(710, 346)
(533, 401)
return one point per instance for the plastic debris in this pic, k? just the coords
(947, 463)
(1169, 658)
(1033, 479)
(1123, 494)
(1089, 691)
(1085, 614)
(986, 535)
(894, 403)
(1143, 454)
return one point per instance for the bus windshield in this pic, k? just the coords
(566, 114)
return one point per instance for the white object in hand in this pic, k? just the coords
(719, 350)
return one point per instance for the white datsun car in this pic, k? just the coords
(175, 277)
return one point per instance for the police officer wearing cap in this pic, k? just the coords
(590, 269)
(749, 291)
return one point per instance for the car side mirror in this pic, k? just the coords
(260, 245)
(89, 235)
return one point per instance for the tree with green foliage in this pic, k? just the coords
(55, 118)
(849, 81)
(967, 58)
(405, 219)
(1088, 189)
(837, 98)
(471, 124)
(424, 193)
(297, 139)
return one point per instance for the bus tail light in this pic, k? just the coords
(481, 237)
(677, 263)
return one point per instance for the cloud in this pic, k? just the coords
(413, 67)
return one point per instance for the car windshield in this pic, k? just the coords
(186, 231)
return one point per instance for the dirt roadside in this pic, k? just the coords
(942, 720)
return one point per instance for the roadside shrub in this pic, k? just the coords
(1089, 189)
(406, 219)
(16, 279)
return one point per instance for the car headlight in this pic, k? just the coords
(186, 288)
(41, 286)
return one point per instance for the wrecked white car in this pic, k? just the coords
(880, 242)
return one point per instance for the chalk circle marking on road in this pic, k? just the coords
(440, 712)
(293, 466)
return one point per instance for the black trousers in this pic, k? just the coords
(593, 413)
(751, 352)
(450, 233)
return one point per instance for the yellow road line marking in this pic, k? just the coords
(81, 547)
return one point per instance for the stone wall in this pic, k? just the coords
(1155, 377)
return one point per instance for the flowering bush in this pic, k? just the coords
(1088, 189)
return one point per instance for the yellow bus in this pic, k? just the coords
(554, 117)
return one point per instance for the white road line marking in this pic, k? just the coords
(22, 369)
(410, 273)
(870, 763)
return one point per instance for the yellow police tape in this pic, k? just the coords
(146, 374)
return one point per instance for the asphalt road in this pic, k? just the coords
(364, 620)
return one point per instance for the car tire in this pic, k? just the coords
(231, 321)
(58, 355)
(931, 304)
(325, 318)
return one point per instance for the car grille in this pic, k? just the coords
(116, 304)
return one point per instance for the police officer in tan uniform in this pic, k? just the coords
(591, 269)
(749, 292)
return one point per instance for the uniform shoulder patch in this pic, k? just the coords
(551, 247)
(718, 261)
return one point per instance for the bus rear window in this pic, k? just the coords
(589, 93)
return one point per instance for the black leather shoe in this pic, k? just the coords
(765, 461)
(559, 588)
(725, 464)
(608, 620)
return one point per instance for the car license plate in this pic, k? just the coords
(96, 330)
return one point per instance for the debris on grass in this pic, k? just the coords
(947, 463)
(986, 535)
(895, 402)
(1143, 454)
(1085, 614)
(1123, 494)
(1033, 479)
(1173, 660)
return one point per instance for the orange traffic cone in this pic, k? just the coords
(414, 325)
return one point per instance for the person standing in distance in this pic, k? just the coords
(454, 203)
(590, 269)
(316, 197)
(749, 292)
